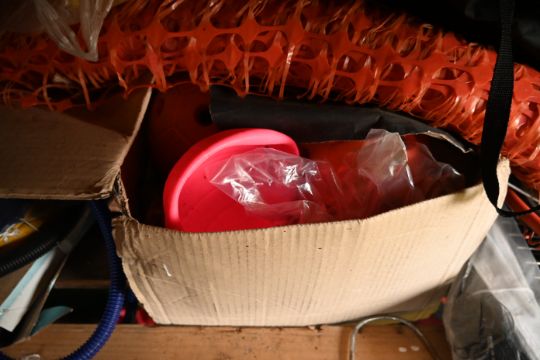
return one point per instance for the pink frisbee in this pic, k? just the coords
(193, 204)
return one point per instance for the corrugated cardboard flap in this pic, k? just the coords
(72, 155)
(309, 274)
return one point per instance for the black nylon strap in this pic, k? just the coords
(498, 110)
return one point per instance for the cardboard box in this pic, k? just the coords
(400, 261)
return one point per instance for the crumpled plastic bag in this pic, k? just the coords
(275, 184)
(374, 175)
(493, 308)
(388, 172)
(56, 17)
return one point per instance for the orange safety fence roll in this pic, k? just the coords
(317, 50)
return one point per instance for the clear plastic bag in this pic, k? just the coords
(493, 309)
(369, 177)
(403, 173)
(56, 17)
(274, 184)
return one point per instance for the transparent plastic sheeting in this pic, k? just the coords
(381, 174)
(493, 310)
(56, 17)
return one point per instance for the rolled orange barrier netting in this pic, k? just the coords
(335, 50)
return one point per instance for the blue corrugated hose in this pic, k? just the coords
(117, 290)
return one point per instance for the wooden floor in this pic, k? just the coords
(388, 342)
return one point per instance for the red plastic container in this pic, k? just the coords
(193, 204)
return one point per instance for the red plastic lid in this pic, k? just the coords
(192, 203)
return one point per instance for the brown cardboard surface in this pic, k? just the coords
(305, 274)
(51, 155)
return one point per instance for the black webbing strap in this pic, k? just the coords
(498, 110)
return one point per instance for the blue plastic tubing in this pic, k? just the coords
(117, 291)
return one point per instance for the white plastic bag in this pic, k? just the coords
(56, 17)
(493, 309)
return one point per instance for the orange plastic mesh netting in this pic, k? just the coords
(313, 49)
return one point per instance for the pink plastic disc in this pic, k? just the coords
(192, 203)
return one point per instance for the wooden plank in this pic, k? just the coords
(388, 342)
(81, 283)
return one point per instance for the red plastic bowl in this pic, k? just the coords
(193, 204)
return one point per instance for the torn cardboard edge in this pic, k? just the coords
(305, 274)
(67, 156)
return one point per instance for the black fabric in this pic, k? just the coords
(474, 21)
(526, 31)
(308, 121)
(498, 109)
